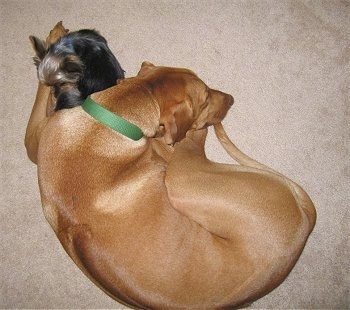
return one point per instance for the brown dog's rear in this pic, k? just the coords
(161, 227)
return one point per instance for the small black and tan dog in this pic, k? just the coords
(77, 65)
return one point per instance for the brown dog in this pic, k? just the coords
(158, 227)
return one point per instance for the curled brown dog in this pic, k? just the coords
(162, 227)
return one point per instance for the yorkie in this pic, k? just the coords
(77, 65)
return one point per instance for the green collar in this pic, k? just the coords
(112, 120)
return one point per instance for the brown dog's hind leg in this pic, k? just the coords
(198, 188)
(227, 199)
(243, 159)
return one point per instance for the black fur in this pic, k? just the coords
(77, 65)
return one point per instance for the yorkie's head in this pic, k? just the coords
(77, 65)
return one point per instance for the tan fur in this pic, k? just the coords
(162, 227)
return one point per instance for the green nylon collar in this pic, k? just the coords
(112, 120)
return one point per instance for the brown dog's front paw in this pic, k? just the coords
(57, 32)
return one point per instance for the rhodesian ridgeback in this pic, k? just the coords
(146, 216)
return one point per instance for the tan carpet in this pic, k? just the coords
(287, 65)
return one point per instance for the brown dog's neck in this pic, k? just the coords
(132, 101)
(112, 120)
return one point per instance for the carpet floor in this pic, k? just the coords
(286, 62)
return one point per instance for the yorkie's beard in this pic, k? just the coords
(69, 96)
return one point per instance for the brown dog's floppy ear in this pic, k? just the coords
(40, 49)
(176, 119)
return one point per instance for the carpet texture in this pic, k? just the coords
(287, 65)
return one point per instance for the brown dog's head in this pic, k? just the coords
(185, 101)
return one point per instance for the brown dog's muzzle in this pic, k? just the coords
(220, 100)
(216, 107)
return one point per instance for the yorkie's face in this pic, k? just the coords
(56, 68)
(76, 66)
(60, 72)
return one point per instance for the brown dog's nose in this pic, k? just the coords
(230, 99)
(224, 98)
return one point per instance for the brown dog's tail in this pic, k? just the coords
(236, 153)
